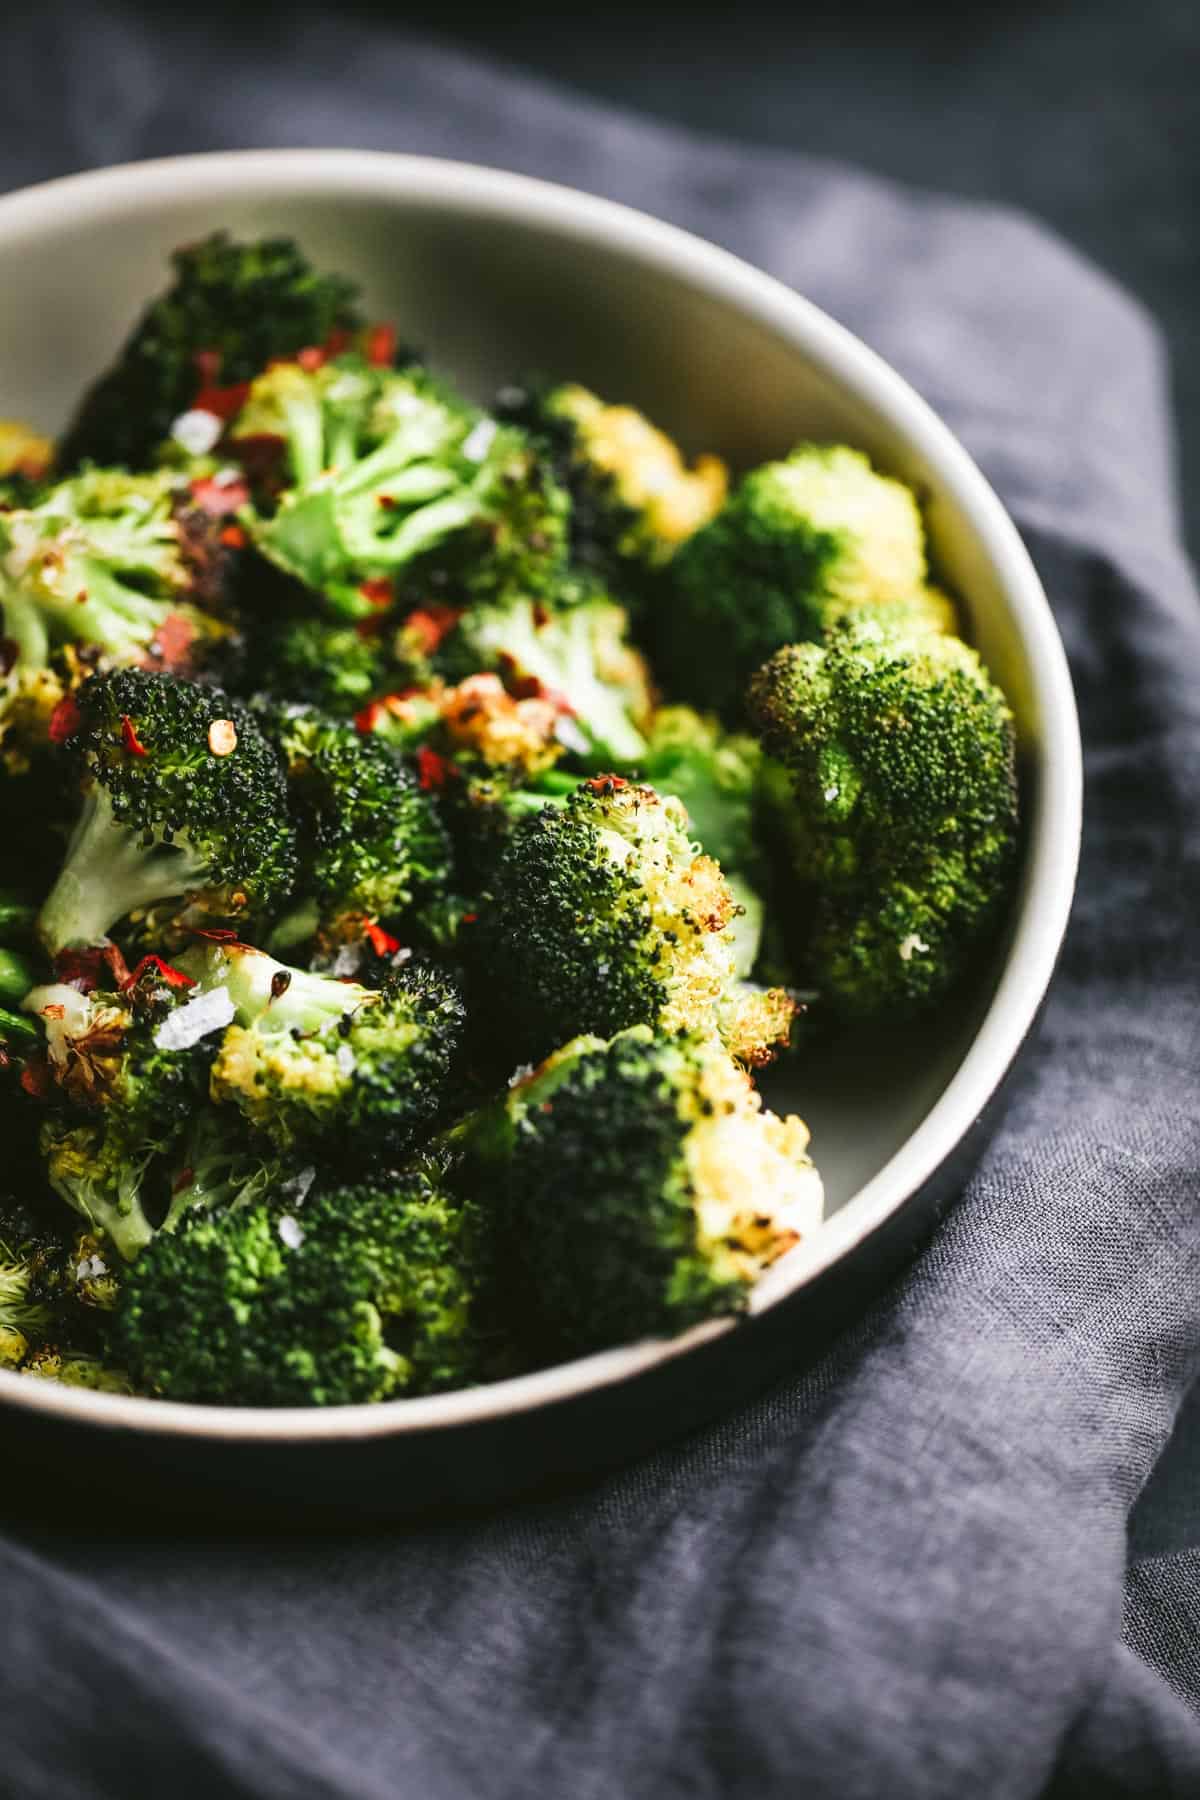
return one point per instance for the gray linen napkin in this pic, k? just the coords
(905, 1573)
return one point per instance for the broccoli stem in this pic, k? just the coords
(109, 871)
(268, 994)
(23, 623)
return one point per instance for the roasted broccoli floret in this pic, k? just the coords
(371, 845)
(603, 915)
(184, 800)
(577, 656)
(55, 1290)
(107, 563)
(315, 1061)
(633, 497)
(799, 543)
(642, 1188)
(318, 662)
(390, 479)
(230, 308)
(902, 811)
(362, 1292)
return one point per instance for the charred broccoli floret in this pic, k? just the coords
(602, 915)
(799, 543)
(633, 497)
(902, 810)
(362, 1292)
(390, 479)
(642, 1187)
(370, 842)
(184, 800)
(577, 656)
(230, 308)
(122, 1086)
(314, 1061)
(55, 1290)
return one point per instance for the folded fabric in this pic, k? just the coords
(904, 1573)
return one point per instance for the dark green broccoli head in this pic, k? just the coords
(315, 662)
(902, 812)
(633, 498)
(602, 915)
(799, 543)
(371, 843)
(314, 1061)
(230, 309)
(185, 799)
(643, 1188)
(360, 1293)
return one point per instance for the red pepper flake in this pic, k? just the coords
(161, 971)
(366, 720)
(37, 1080)
(382, 942)
(431, 768)
(469, 919)
(312, 357)
(337, 341)
(378, 590)
(182, 1180)
(81, 597)
(541, 615)
(54, 1011)
(130, 738)
(172, 642)
(386, 501)
(80, 969)
(219, 498)
(233, 537)
(219, 934)
(381, 346)
(428, 625)
(223, 402)
(606, 784)
(207, 364)
(65, 720)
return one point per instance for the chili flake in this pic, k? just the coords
(130, 738)
(380, 347)
(382, 942)
(65, 720)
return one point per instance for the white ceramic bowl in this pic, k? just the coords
(496, 275)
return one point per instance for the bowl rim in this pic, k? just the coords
(1052, 849)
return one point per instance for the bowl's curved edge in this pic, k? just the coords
(1053, 844)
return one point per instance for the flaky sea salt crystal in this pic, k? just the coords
(478, 440)
(197, 431)
(195, 1019)
(291, 1231)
